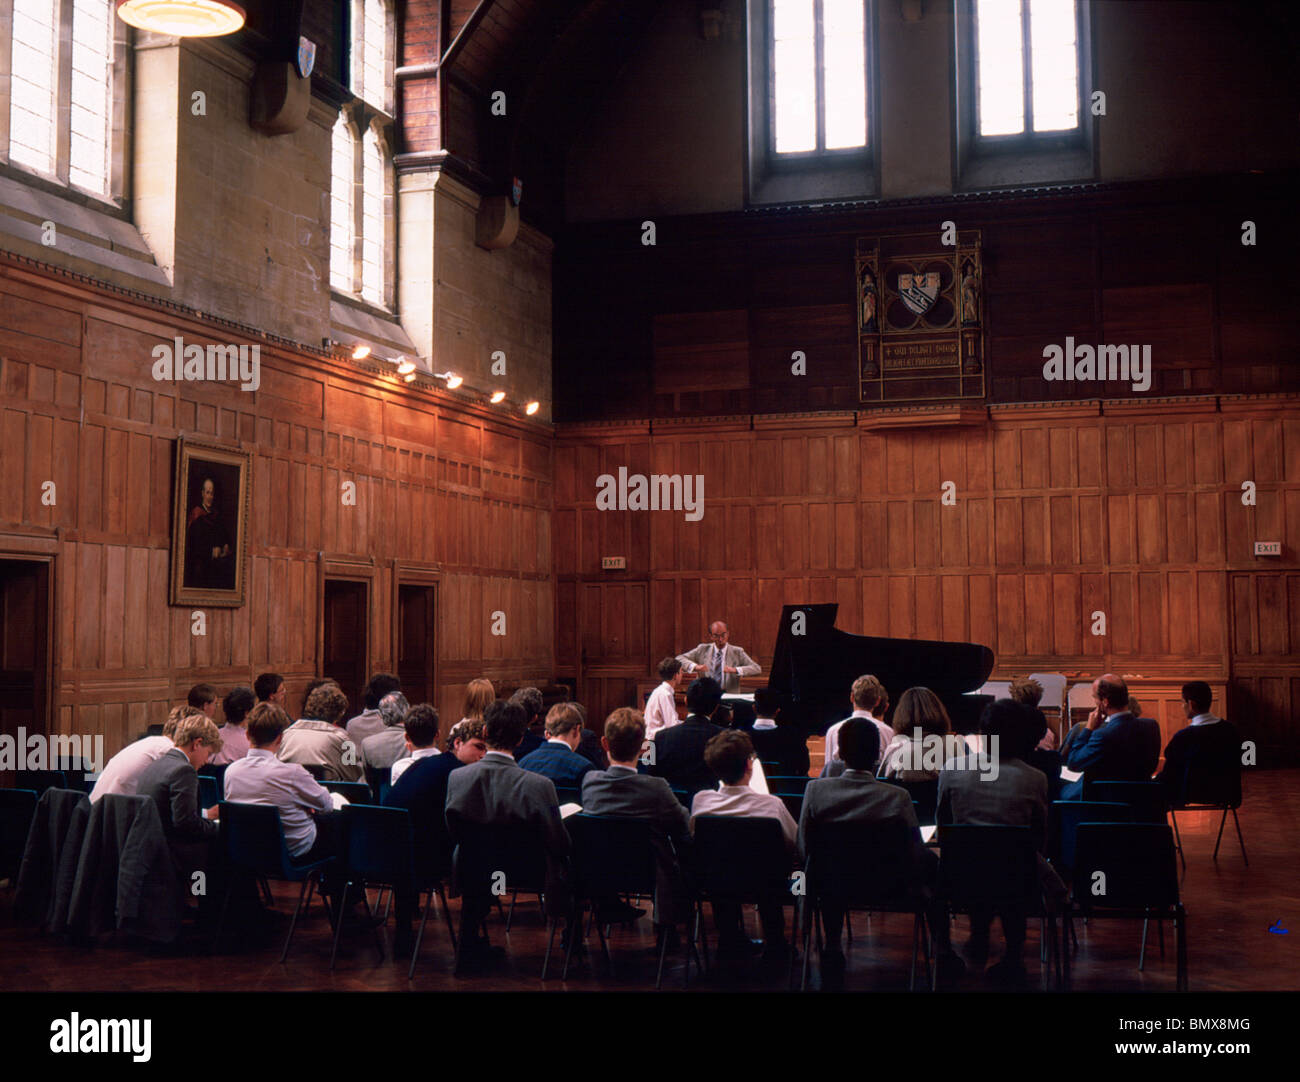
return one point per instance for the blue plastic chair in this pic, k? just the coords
(40, 780)
(379, 849)
(252, 838)
(17, 810)
(356, 792)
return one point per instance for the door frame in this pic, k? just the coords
(38, 549)
(348, 569)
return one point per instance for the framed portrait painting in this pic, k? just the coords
(210, 525)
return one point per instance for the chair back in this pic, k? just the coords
(379, 778)
(484, 849)
(925, 797)
(316, 770)
(1064, 817)
(988, 867)
(1137, 865)
(17, 810)
(568, 794)
(611, 856)
(781, 784)
(770, 767)
(253, 838)
(356, 792)
(1053, 684)
(1145, 798)
(1210, 779)
(209, 791)
(862, 865)
(378, 844)
(684, 797)
(40, 780)
(740, 857)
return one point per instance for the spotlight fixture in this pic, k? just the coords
(182, 18)
(406, 368)
(409, 377)
(361, 353)
(453, 380)
(532, 408)
(498, 396)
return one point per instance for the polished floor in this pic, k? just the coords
(1231, 908)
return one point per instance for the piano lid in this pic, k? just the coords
(815, 664)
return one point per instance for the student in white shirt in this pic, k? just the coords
(869, 699)
(661, 707)
(421, 738)
(730, 755)
(121, 774)
(234, 741)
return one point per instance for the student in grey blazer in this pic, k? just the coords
(721, 660)
(496, 790)
(172, 781)
(620, 792)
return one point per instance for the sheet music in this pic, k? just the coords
(338, 800)
(569, 809)
(759, 780)
(1070, 775)
(927, 833)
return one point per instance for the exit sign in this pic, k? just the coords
(613, 563)
(1268, 548)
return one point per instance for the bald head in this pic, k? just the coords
(718, 632)
(1110, 693)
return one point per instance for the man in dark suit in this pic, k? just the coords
(855, 796)
(1202, 761)
(774, 742)
(558, 758)
(589, 746)
(495, 791)
(422, 791)
(1115, 746)
(623, 793)
(679, 750)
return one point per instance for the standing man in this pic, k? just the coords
(721, 660)
(661, 707)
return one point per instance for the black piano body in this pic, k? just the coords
(815, 664)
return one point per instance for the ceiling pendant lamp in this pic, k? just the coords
(182, 18)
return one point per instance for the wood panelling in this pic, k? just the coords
(448, 488)
(1061, 512)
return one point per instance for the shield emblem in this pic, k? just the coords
(919, 291)
(305, 59)
(516, 191)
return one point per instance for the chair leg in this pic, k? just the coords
(700, 936)
(221, 920)
(338, 928)
(419, 936)
(1240, 840)
(1222, 822)
(1180, 931)
(848, 924)
(810, 919)
(550, 941)
(1160, 932)
(911, 980)
(1143, 952)
(293, 923)
(574, 924)
(663, 953)
(514, 895)
(1042, 940)
(1067, 926)
(1178, 841)
(266, 891)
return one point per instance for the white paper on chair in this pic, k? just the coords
(338, 800)
(927, 833)
(569, 809)
(1070, 775)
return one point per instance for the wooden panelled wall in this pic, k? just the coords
(445, 492)
(1131, 509)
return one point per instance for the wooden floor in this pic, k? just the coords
(1230, 908)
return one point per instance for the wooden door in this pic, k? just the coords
(415, 646)
(24, 654)
(613, 636)
(346, 616)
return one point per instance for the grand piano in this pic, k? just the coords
(813, 671)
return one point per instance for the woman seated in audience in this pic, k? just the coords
(923, 738)
(479, 695)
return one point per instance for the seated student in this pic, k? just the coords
(1028, 693)
(420, 735)
(678, 751)
(234, 742)
(121, 774)
(589, 746)
(384, 748)
(495, 791)
(422, 791)
(172, 782)
(530, 699)
(730, 757)
(316, 739)
(312, 828)
(919, 721)
(621, 792)
(558, 758)
(370, 721)
(1203, 760)
(773, 742)
(869, 699)
(203, 697)
(661, 707)
(1115, 745)
(856, 797)
(270, 688)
